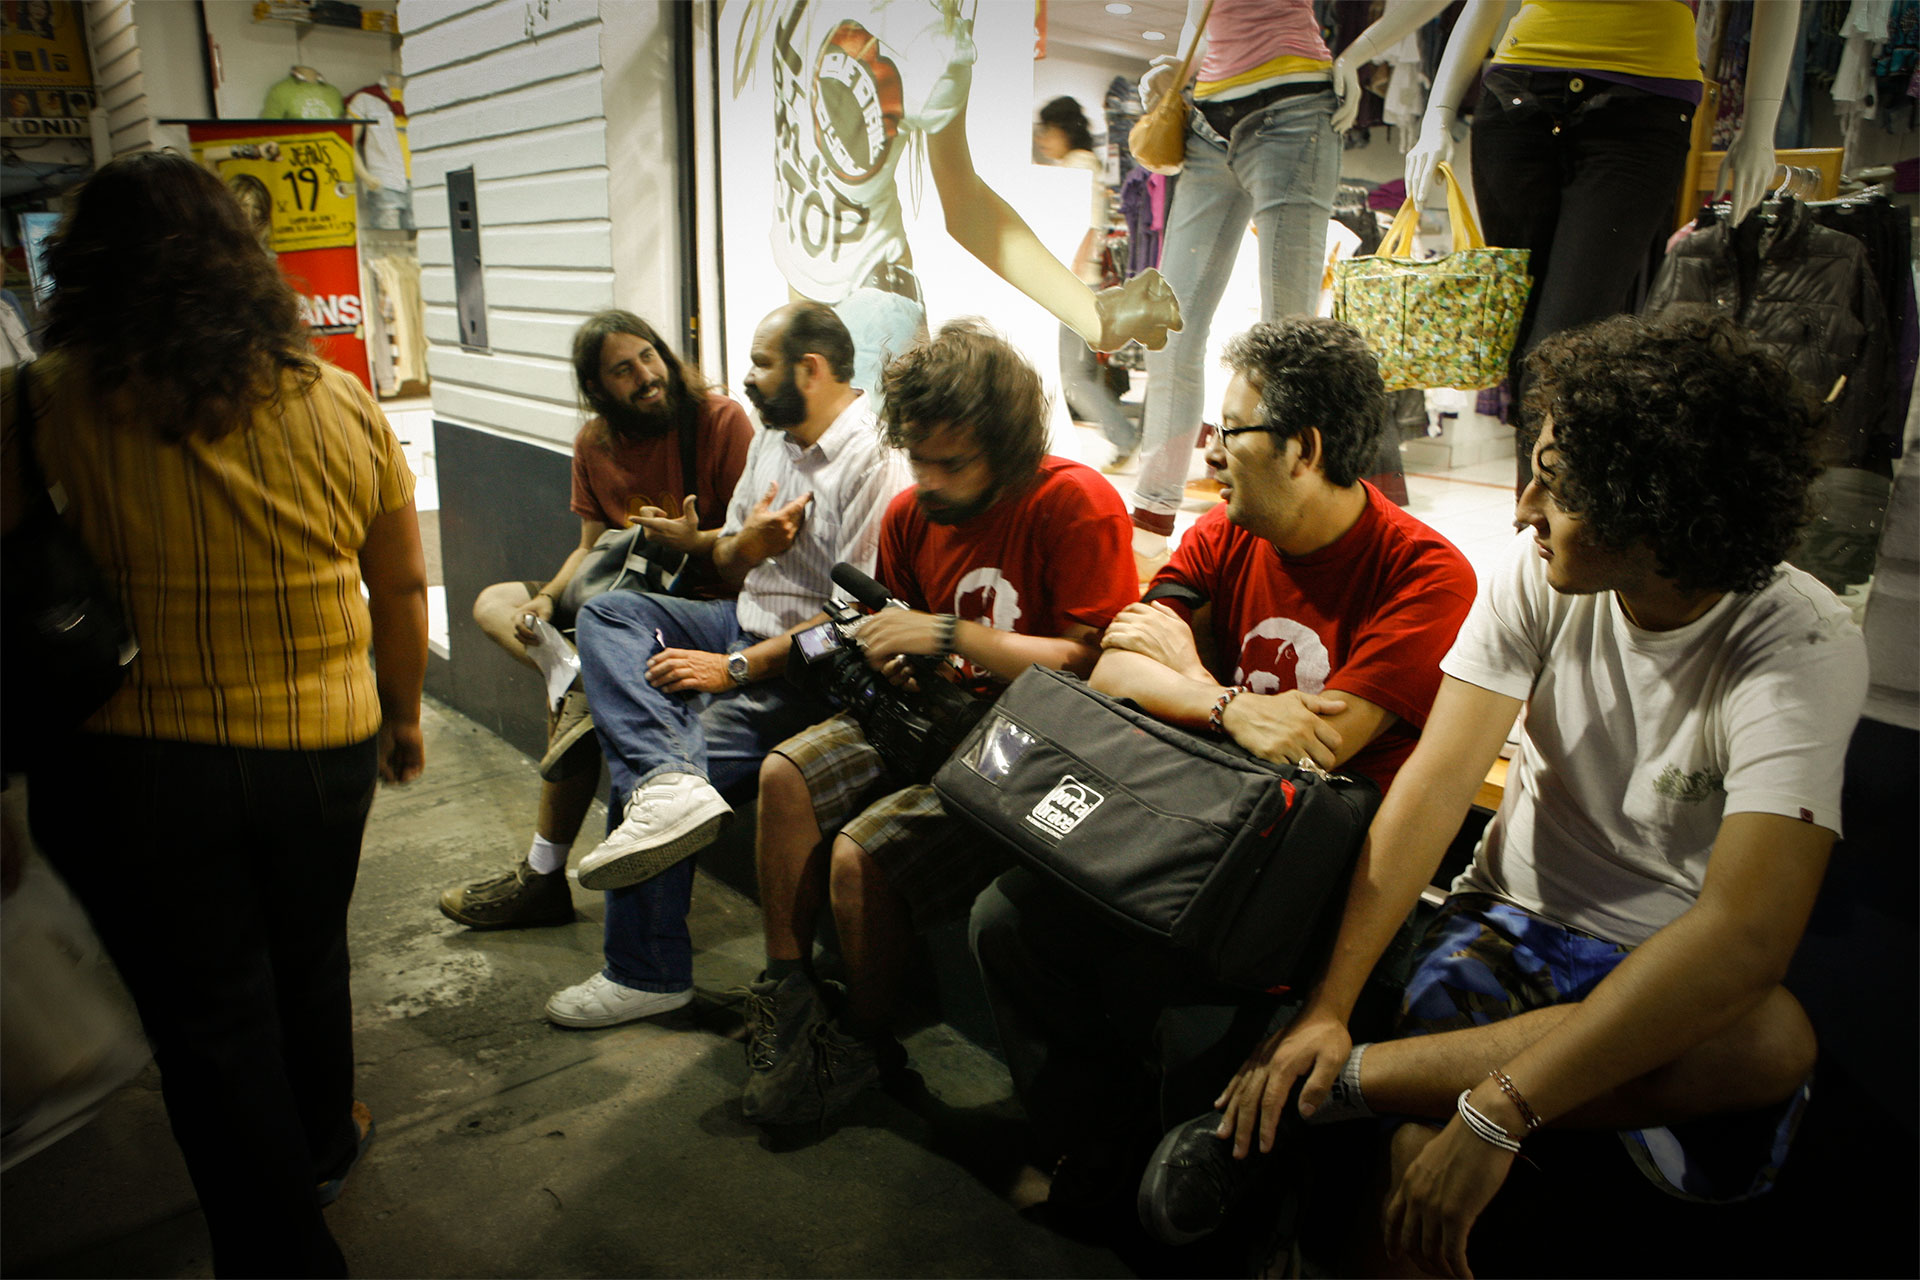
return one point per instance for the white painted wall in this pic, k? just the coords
(540, 99)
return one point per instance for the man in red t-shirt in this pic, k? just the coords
(1305, 619)
(1005, 557)
(628, 462)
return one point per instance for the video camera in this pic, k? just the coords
(914, 730)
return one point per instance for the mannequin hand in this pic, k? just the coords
(950, 91)
(1346, 87)
(1434, 146)
(1750, 166)
(1143, 310)
(1159, 78)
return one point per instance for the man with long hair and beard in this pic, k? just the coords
(627, 466)
(687, 694)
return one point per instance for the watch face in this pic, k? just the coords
(737, 667)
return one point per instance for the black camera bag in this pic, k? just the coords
(1236, 862)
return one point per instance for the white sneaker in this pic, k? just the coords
(602, 1002)
(672, 817)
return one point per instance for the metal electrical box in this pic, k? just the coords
(463, 216)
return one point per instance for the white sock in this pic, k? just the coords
(1147, 544)
(1346, 1101)
(547, 856)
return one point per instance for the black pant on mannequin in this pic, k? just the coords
(1583, 172)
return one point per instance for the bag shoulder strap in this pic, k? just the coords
(689, 444)
(1186, 65)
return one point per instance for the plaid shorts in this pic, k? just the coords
(936, 862)
(1485, 960)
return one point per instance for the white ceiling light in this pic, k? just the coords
(1153, 35)
(1120, 10)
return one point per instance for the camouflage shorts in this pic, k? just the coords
(1485, 960)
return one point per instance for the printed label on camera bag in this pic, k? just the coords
(1065, 807)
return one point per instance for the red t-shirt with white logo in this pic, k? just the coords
(1059, 552)
(1372, 615)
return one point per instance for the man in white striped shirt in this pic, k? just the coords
(686, 694)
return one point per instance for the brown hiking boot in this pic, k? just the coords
(518, 899)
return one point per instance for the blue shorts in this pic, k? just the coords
(1483, 960)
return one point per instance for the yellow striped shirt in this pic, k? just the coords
(237, 558)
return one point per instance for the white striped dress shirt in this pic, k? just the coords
(852, 476)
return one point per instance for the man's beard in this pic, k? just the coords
(783, 410)
(939, 511)
(630, 421)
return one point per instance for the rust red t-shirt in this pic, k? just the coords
(1059, 553)
(613, 478)
(1372, 614)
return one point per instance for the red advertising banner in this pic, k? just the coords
(297, 182)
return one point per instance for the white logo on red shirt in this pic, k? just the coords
(986, 597)
(1275, 646)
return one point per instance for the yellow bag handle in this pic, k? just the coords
(1398, 242)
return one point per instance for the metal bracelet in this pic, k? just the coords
(1512, 1091)
(1483, 1128)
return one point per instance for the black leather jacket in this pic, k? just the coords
(1808, 294)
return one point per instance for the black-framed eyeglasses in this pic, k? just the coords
(1228, 433)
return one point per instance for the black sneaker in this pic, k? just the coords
(781, 1057)
(1193, 1182)
(518, 899)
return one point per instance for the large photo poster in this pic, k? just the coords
(297, 183)
(876, 156)
(46, 84)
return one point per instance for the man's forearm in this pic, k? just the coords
(1160, 691)
(735, 557)
(558, 582)
(1007, 654)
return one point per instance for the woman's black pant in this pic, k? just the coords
(218, 879)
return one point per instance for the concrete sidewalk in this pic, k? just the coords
(507, 1146)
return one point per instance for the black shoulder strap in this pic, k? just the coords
(1172, 590)
(689, 444)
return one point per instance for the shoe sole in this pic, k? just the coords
(474, 922)
(565, 758)
(1151, 1199)
(638, 866)
(576, 1022)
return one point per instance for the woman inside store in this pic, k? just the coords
(239, 493)
(1065, 138)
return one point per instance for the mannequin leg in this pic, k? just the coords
(1204, 229)
(1289, 159)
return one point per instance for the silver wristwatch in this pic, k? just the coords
(737, 668)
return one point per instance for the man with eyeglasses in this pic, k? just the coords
(1305, 619)
(1005, 557)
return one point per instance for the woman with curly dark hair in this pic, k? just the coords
(238, 492)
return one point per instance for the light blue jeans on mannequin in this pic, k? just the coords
(1279, 170)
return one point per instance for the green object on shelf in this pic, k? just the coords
(299, 98)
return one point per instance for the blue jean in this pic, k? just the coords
(1279, 169)
(645, 732)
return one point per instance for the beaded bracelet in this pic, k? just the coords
(1507, 1087)
(1483, 1128)
(1214, 721)
(944, 626)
